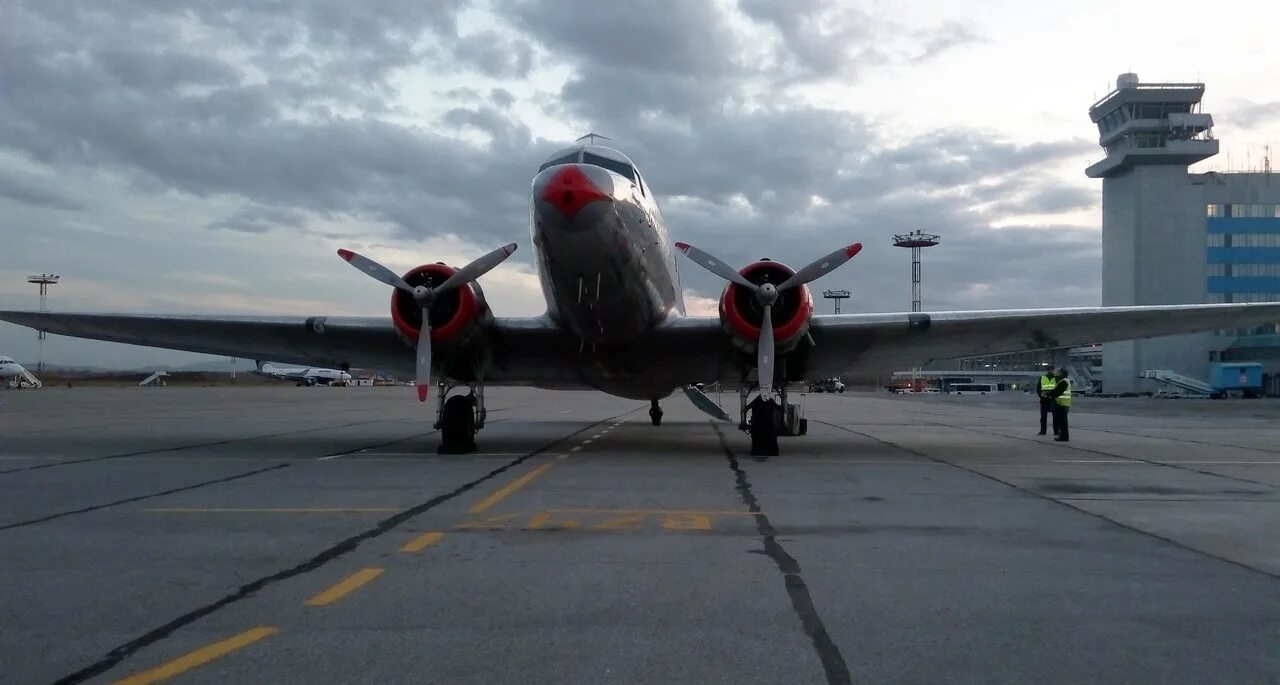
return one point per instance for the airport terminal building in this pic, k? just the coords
(1170, 237)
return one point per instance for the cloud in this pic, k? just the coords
(1246, 114)
(38, 191)
(273, 120)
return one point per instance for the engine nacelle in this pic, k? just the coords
(456, 316)
(741, 314)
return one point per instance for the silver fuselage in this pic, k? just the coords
(607, 271)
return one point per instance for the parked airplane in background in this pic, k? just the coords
(12, 375)
(616, 321)
(304, 376)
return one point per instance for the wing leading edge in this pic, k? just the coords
(525, 350)
(896, 341)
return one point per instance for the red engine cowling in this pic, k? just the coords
(741, 314)
(455, 316)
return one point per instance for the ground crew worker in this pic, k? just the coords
(1061, 406)
(1048, 381)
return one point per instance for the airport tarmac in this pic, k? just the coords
(312, 535)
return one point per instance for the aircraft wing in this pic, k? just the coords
(526, 350)
(330, 342)
(846, 342)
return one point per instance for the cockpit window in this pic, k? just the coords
(613, 165)
(567, 159)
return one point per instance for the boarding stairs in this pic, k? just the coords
(153, 380)
(1081, 373)
(25, 379)
(1185, 384)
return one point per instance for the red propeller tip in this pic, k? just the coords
(683, 247)
(346, 254)
(422, 392)
(853, 249)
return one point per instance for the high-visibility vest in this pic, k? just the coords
(1064, 400)
(1047, 384)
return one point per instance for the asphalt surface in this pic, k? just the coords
(312, 535)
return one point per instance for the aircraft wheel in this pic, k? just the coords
(764, 429)
(656, 417)
(457, 426)
(804, 427)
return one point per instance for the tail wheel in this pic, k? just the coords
(457, 426)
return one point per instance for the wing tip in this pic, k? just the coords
(853, 250)
(346, 254)
(422, 392)
(683, 247)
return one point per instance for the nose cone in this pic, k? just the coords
(569, 190)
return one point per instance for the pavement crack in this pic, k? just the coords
(139, 498)
(128, 649)
(1060, 502)
(1140, 460)
(178, 448)
(833, 663)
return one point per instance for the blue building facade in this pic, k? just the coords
(1242, 263)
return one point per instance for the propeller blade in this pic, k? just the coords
(821, 267)
(764, 354)
(715, 266)
(422, 375)
(477, 268)
(375, 269)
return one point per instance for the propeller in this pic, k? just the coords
(767, 295)
(425, 297)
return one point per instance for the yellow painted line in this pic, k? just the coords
(539, 520)
(342, 589)
(575, 448)
(421, 542)
(199, 657)
(673, 512)
(265, 510)
(486, 503)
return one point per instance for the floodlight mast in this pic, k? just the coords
(916, 240)
(44, 281)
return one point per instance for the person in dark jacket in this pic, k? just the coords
(1044, 390)
(1061, 406)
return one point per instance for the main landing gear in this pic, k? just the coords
(459, 418)
(655, 413)
(769, 418)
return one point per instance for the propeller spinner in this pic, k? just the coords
(425, 297)
(767, 295)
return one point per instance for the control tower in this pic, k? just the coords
(1153, 226)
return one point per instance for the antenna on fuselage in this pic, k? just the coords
(591, 138)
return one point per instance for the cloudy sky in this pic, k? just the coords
(208, 156)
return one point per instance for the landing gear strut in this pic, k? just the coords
(769, 418)
(655, 413)
(459, 418)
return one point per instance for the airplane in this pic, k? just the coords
(616, 320)
(13, 375)
(303, 375)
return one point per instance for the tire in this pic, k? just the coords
(457, 426)
(655, 417)
(804, 426)
(764, 430)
